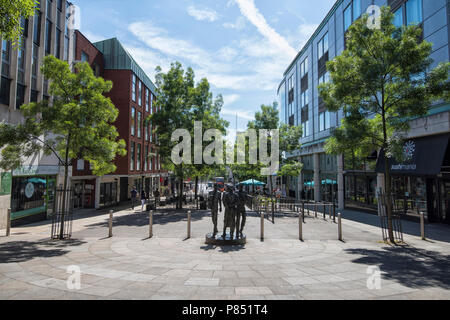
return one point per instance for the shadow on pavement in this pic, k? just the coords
(21, 251)
(438, 232)
(159, 218)
(224, 249)
(411, 267)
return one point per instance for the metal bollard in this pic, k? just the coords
(8, 223)
(300, 226)
(303, 212)
(150, 224)
(189, 224)
(422, 226)
(339, 227)
(334, 212)
(315, 210)
(324, 212)
(110, 223)
(262, 226)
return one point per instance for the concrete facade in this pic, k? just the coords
(47, 32)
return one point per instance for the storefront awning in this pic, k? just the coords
(424, 156)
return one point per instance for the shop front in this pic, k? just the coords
(33, 193)
(421, 180)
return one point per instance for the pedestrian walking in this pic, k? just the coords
(143, 199)
(133, 197)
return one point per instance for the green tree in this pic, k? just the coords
(381, 80)
(11, 14)
(268, 118)
(75, 124)
(183, 102)
(289, 142)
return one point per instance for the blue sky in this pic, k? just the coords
(241, 46)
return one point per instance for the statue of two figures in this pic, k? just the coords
(235, 215)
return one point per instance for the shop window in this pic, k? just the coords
(29, 193)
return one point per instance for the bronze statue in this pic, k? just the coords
(241, 215)
(230, 201)
(215, 201)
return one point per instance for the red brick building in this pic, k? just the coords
(133, 94)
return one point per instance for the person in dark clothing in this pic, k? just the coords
(133, 197)
(143, 199)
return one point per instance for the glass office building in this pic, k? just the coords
(353, 183)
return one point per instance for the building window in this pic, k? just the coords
(34, 96)
(139, 124)
(325, 78)
(146, 159)
(49, 9)
(151, 132)
(291, 101)
(21, 62)
(34, 67)
(140, 93)
(6, 56)
(352, 13)
(80, 164)
(322, 46)
(5, 87)
(414, 12)
(58, 43)
(132, 151)
(147, 103)
(48, 36)
(146, 132)
(84, 57)
(304, 68)
(398, 17)
(305, 129)
(139, 157)
(304, 98)
(37, 28)
(324, 121)
(20, 96)
(133, 121)
(133, 89)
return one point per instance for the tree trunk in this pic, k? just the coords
(64, 191)
(196, 187)
(387, 178)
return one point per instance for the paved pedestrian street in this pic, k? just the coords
(168, 266)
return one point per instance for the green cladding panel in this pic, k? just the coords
(116, 57)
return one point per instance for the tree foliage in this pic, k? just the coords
(77, 123)
(182, 102)
(11, 13)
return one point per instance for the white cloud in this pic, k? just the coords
(203, 14)
(93, 37)
(238, 25)
(249, 10)
(230, 99)
(247, 115)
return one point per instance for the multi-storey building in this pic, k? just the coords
(133, 94)
(29, 190)
(423, 182)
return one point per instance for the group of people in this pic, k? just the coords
(144, 197)
(234, 203)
